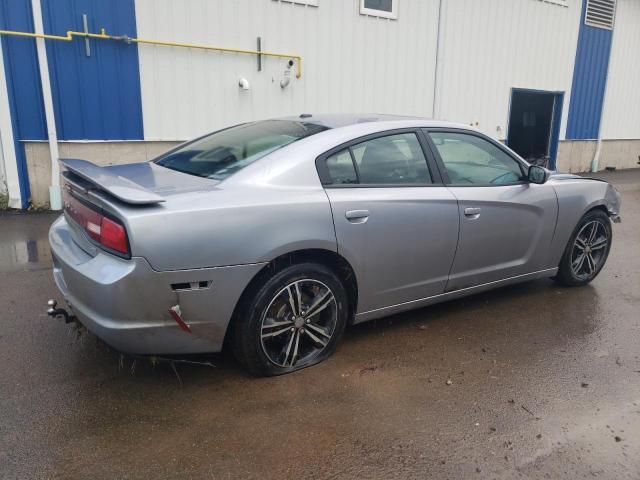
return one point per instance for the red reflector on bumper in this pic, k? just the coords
(177, 316)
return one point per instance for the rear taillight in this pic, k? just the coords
(106, 231)
(114, 236)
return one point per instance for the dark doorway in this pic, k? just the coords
(534, 125)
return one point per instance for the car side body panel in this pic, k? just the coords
(505, 231)
(443, 297)
(234, 226)
(403, 249)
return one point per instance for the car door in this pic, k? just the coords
(506, 223)
(395, 222)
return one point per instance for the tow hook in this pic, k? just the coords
(55, 312)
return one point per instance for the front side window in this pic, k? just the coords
(389, 160)
(379, 8)
(221, 154)
(470, 159)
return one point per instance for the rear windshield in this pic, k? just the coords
(223, 153)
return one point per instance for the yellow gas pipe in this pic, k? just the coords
(103, 36)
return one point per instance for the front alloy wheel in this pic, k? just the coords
(587, 250)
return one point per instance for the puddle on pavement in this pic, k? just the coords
(24, 255)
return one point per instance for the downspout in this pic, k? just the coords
(596, 156)
(436, 92)
(3, 176)
(55, 201)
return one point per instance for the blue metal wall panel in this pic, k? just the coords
(589, 77)
(96, 97)
(21, 63)
(23, 85)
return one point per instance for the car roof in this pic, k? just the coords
(340, 120)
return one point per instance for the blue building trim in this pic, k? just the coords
(23, 86)
(589, 79)
(96, 97)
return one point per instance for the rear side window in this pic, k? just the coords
(389, 160)
(341, 169)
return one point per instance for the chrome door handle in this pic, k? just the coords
(472, 212)
(357, 216)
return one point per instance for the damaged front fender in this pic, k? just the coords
(613, 202)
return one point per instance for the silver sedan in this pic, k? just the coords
(270, 237)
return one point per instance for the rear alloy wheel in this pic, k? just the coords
(295, 320)
(299, 323)
(587, 250)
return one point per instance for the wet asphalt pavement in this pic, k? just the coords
(545, 383)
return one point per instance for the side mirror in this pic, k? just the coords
(537, 174)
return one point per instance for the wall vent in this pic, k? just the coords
(600, 13)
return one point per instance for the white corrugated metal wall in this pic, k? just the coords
(491, 46)
(621, 116)
(351, 62)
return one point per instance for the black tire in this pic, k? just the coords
(570, 276)
(255, 320)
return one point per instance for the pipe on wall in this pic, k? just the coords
(439, 43)
(103, 36)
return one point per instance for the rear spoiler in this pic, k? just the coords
(104, 179)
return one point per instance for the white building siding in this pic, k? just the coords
(491, 46)
(351, 63)
(621, 115)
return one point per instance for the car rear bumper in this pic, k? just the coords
(126, 302)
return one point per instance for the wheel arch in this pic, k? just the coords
(566, 275)
(597, 205)
(333, 260)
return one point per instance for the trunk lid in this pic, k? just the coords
(143, 183)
